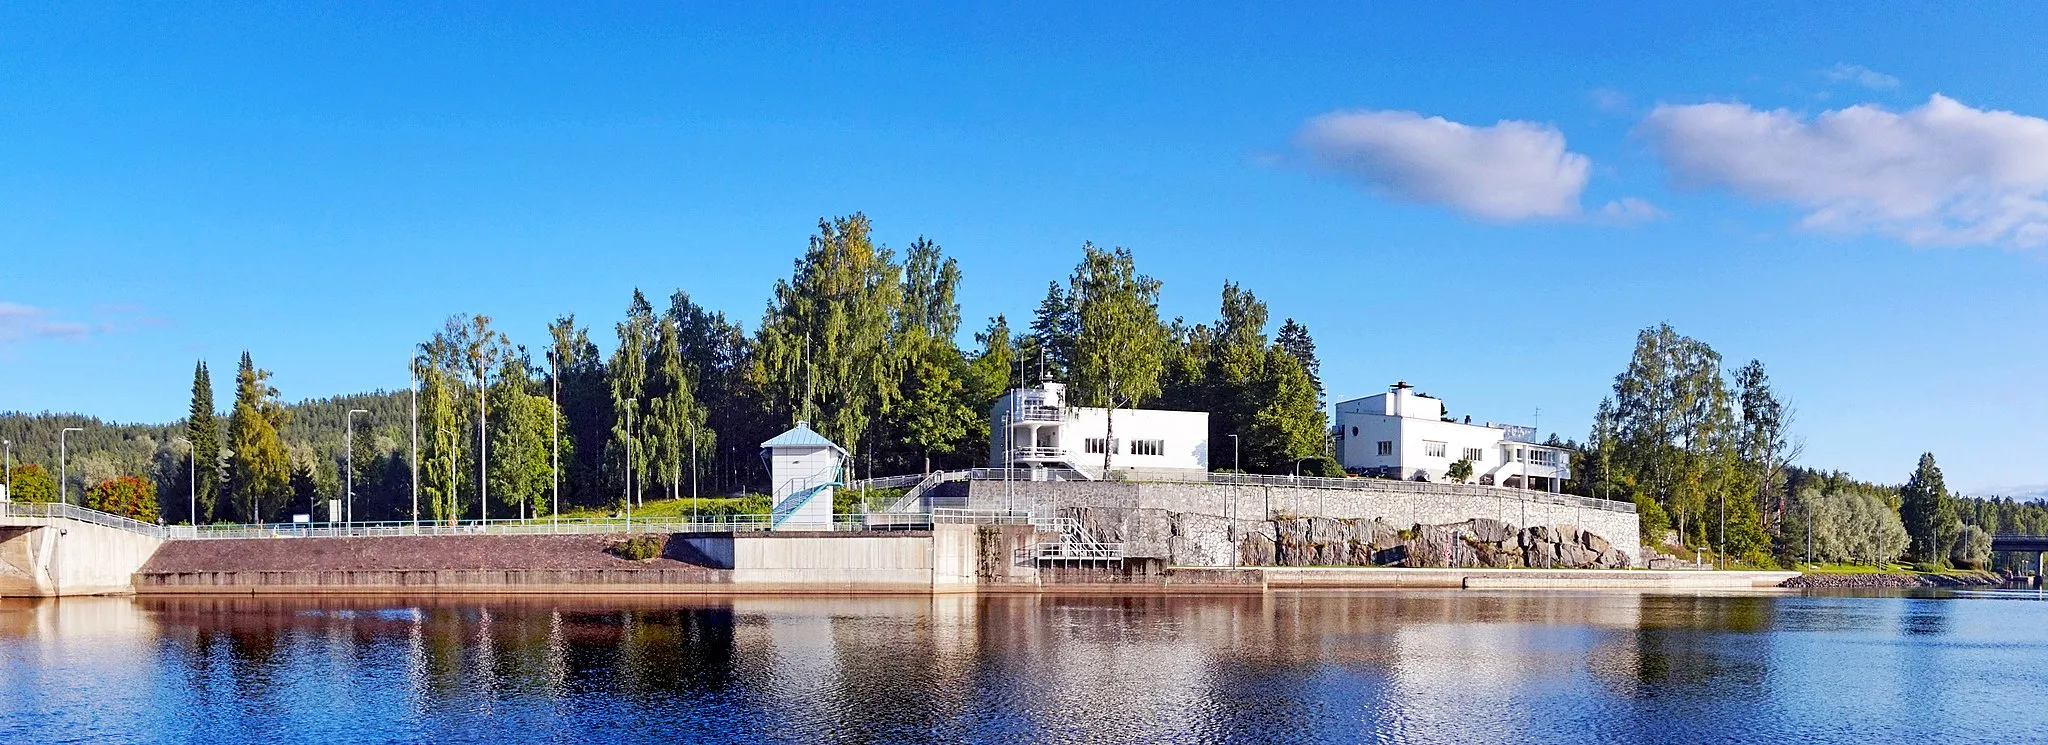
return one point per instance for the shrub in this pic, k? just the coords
(126, 496)
(1460, 472)
(1654, 522)
(639, 547)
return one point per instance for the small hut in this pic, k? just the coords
(803, 468)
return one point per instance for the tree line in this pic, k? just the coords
(858, 342)
(1706, 455)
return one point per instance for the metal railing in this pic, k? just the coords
(1038, 414)
(1080, 551)
(56, 510)
(540, 526)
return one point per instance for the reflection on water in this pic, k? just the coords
(1451, 666)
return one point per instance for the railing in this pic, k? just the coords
(1038, 452)
(538, 526)
(886, 482)
(48, 510)
(1038, 414)
(1078, 551)
(949, 515)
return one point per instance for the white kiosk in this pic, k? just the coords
(804, 467)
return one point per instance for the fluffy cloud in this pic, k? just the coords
(1512, 170)
(1940, 174)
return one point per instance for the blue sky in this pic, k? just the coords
(1486, 202)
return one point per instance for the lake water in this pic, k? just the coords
(1426, 667)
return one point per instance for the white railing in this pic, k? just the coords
(1078, 551)
(949, 515)
(1038, 414)
(1038, 453)
(54, 510)
(540, 526)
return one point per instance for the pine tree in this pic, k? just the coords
(202, 429)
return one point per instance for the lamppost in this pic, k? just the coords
(413, 382)
(192, 482)
(450, 494)
(1233, 499)
(7, 471)
(348, 442)
(555, 437)
(64, 465)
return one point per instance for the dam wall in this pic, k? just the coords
(53, 556)
(1398, 503)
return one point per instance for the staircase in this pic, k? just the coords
(797, 501)
(1075, 543)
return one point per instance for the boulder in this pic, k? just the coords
(1488, 530)
(1596, 544)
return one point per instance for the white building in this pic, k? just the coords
(1400, 434)
(1034, 427)
(803, 468)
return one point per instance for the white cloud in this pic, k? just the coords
(1630, 210)
(1940, 174)
(1512, 170)
(19, 322)
(1860, 75)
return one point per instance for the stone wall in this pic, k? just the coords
(1189, 523)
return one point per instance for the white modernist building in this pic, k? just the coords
(804, 468)
(1401, 434)
(1033, 427)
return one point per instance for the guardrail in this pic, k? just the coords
(541, 526)
(49, 510)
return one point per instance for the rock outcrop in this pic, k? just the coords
(1191, 539)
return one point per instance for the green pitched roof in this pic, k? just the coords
(799, 436)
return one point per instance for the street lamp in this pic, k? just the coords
(64, 465)
(7, 471)
(1233, 499)
(450, 494)
(192, 481)
(555, 437)
(348, 442)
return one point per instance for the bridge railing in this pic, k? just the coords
(50, 510)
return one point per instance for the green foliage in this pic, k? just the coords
(1849, 523)
(823, 351)
(1459, 472)
(32, 484)
(126, 496)
(202, 430)
(1321, 465)
(1651, 519)
(1924, 505)
(626, 452)
(259, 469)
(1294, 339)
(1119, 343)
(1972, 548)
(639, 547)
(1289, 424)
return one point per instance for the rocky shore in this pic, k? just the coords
(1891, 580)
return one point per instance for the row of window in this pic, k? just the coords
(1434, 449)
(1098, 446)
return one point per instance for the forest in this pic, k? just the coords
(863, 345)
(866, 347)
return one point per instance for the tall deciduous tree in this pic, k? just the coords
(823, 346)
(127, 496)
(673, 412)
(1766, 445)
(259, 470)
(1289, 425)
(577, 383)
(32, 484)
(626, 451)
(1119, 344)
(202, 429)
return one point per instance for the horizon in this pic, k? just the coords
(1438, 198)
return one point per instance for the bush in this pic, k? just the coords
(639, 547)
(33, 484)
(1460, 472)
(126, 496)
(1654, 521)
(1322, 466)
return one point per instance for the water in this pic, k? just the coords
(1451, 666)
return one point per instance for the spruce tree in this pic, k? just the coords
(1924, 507)
(1050, 345)
(202, 429)
(1294, 339)
(259, 471)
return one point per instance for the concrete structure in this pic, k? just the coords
(45, 553)
(1036, 428)
(1207, 543)
(1403, 435)
(804, 468)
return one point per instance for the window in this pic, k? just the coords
(1148, 447)
(1476, 455)
(1543, 457)
(1386, 447)
(1354, 431)
(1432, 449)
(1099, 445)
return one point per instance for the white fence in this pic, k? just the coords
(50, 510)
